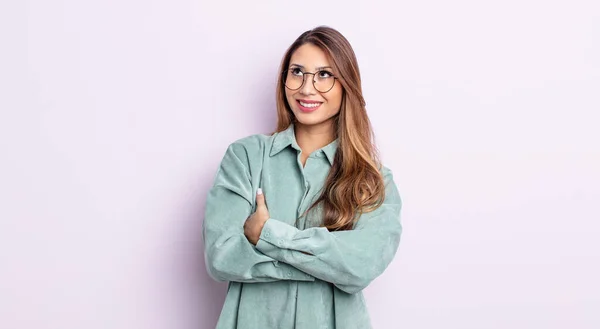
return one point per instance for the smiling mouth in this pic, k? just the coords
(308, 107)
(309, 104)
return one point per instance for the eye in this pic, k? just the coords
(325, 74)
(296, 71)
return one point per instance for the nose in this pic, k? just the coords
(308, 87)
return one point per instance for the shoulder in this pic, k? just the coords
(245, 155)
(251, 145)
(391, 187)
(386, 173)
(250, 150)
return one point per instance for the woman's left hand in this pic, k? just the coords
(254, 224)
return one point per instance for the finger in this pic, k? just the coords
(260, 198)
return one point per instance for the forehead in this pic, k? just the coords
(310, 57)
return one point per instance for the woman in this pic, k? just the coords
(301, 221)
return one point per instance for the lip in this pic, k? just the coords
(308, 101)
(307, 109)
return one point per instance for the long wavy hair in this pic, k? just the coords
(354, 184)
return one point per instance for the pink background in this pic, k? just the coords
(115, 115)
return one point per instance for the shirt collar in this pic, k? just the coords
(287, 137)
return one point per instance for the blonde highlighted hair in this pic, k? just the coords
(354, 184)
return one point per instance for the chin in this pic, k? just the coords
(307, 120)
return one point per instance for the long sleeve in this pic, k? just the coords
(229, 256)
(348, 259)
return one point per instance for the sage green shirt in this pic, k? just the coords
(274, 285)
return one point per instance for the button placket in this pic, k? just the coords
(306, 171)
(302, 202)
(306, 190)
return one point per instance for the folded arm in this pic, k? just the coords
(228, 254)
(348, 259)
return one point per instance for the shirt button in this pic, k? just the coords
(289, 274)
(280, 242)
(267, 234)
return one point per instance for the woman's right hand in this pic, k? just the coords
(254, 224)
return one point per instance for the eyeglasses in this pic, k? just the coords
(294, 78)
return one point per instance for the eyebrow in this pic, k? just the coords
(318, 68)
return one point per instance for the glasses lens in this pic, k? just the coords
(324, 81)
(293, 79)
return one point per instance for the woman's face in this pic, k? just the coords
(310, 106)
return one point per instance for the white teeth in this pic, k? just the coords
(309, 104)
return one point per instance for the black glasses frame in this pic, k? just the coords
(284, 76)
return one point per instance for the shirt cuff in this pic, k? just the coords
(276, 239)
(272, 242)
(272, 239)
(277, 233)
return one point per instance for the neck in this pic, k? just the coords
(314, 137)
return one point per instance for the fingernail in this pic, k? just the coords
(259, 191)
